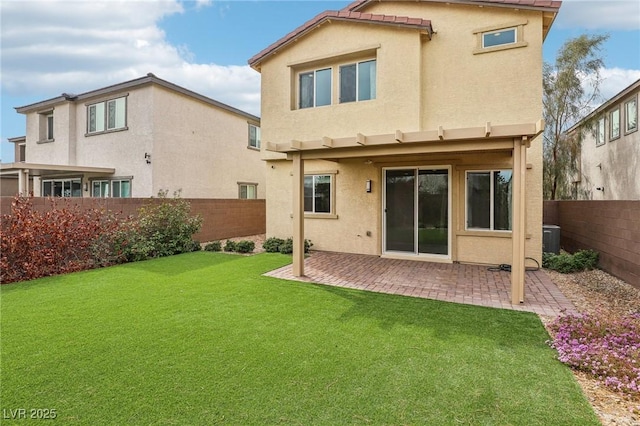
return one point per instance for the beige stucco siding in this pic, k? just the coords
(422, 84)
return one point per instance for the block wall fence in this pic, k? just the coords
(612, 228)
(221, 218)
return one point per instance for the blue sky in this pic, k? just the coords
(55, 46)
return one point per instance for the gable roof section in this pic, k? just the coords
(549, 8)
(358, 5)
(630, 89)
(341, 15)
(136, 83)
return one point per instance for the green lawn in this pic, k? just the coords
(203, 338)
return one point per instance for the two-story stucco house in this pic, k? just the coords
(609, 155)
(409, 129)
(135, 139)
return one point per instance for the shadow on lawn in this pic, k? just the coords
(182, 263)
(445, 319)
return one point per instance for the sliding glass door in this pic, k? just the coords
(416, 211)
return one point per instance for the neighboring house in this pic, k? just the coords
(135, 139)
(609, 156)
(409, 129)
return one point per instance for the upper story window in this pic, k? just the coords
(45, 126)
(106, 116)
(508, 35)
(489, 200)
(614, 124)
(358, 81)
(631, 115)
(600, 132)
(254, 136)
(499, 37)
(315, 88)
(22, 152)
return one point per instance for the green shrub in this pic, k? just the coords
(195, 246)
(286, 247)
(160, 229)
(567, 263)
(272, 245)
(213, 246)
(230, 246)
(245, 246)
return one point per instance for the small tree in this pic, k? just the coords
(571, 86)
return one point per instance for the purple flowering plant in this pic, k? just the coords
(608, 349)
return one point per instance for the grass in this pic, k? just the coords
(203, 338)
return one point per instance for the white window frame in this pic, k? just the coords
(497, 32)
(627, 104)
(255, 143)
(63, 181)
(492, 196)
(246, 186)
(601, 132)
(357, 95)
(103, 106)
(315, 87)
(332, 196)
(110, 183)
(612, 122)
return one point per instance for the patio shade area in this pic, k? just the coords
(459, 283)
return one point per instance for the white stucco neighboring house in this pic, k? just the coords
(134, 139)
(609, 155)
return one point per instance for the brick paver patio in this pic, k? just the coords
(459, 283)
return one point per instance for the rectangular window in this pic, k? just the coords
(254, 136)
(315, 88)
(22, 152)
(600, 133)
(489, 200)
(499, 37)
(62, 188)
(317, 193)
(614, 124)
(358, 81)
(50, 127)
(247, 191)
(108, 115)
(631, 116)
(117, 188)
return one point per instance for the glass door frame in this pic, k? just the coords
(416, 252)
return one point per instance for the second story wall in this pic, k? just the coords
(449, 80)
(201, 149)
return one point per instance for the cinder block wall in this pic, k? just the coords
(611, 228)
(221, 218)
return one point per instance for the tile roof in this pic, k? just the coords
(342, 15)
(546, 4)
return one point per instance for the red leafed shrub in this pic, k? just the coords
(65, 239)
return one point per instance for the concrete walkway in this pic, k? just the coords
(468, 284)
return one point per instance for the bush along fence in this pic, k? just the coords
(221, 218)
(66, 238)
(611, 228)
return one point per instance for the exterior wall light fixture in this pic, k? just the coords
(367, 185)
(147, 157)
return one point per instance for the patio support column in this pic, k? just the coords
(298, 215)
(518, 233)
(23, 182)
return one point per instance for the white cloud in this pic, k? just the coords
(76, 46)
(599, 15)
(615, 80)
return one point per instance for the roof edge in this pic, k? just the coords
(150, 78)
(544, 5)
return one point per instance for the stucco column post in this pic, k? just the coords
(518, 233)
(298, 215)
(23, 182)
